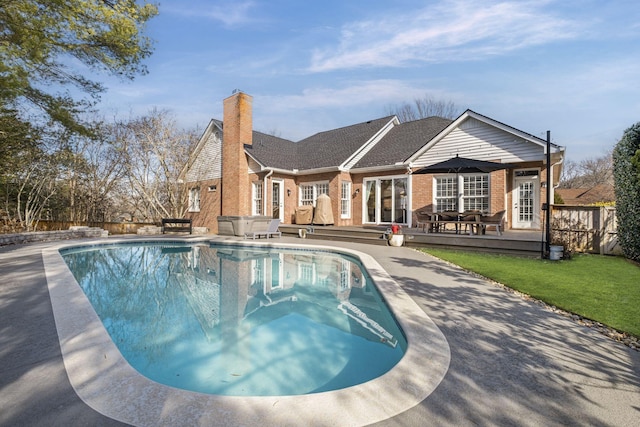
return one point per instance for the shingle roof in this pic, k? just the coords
(324, 149)
(601, 193)
(402, 141)
(332, 148)
(272, 151)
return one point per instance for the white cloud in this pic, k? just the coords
(453, 30)
(230, 13)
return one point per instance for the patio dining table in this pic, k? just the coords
(438, 221)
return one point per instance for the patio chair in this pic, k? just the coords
(427, 221)
(496, 220)
(448, 217)
(471, 220)
(272, 230)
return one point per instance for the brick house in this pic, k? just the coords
(366, 169)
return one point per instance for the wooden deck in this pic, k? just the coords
(513, 242)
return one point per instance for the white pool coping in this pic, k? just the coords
(104, 380)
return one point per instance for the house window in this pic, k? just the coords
(446, 194)
(257, 198)
(473, 197)
(310, 192)
(475, 193)
(307, 272)
(257, 272)
(194, 199)
(345, 200)
(306, 195)
(345, 275)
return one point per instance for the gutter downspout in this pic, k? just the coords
(264, 196)
(409, 206)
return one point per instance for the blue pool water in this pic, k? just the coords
(239, 321)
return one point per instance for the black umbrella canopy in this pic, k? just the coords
(459, 164)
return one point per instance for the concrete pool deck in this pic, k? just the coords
(512, 361)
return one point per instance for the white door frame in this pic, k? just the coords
(526, 179)
(404, 204)
(280, 185)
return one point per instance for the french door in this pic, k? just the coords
(526, 199)
(277, 199)
(385, 200)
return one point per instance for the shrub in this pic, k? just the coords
(627, 188)
(557, 199)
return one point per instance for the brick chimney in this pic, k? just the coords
(236, 132)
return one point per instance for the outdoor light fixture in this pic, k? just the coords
(288, 191)
(357, 191)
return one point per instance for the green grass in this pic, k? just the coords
(601, 288)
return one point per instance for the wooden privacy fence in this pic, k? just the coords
(591, 229)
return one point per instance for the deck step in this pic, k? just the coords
(490, 242)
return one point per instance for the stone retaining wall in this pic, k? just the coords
(75, 232)
(152, 229)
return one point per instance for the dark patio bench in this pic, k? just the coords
(180, 225)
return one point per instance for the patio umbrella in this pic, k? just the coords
(459, 165)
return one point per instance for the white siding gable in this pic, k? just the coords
(254, 167)
(207, 163)
(476, 139)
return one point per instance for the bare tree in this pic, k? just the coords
(424, 107)
(588, 172)
(156, 154)
(105, 172)
(36, 184)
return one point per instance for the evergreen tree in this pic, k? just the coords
(626, 175)
(43, 41)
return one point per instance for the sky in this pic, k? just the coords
(570, 66)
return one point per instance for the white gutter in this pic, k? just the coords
(297, 172)
(553, 165)
(409, 207)
(378, 168)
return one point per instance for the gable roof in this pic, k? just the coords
(380, 144)
(402, 142)
(342, 145)
(489, 121)
(328, 149)
(213, 126)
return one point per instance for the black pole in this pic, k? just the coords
(548, 211)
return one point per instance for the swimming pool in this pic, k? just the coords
(240, 321)
(106, 382)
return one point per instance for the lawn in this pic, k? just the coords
(601, 288)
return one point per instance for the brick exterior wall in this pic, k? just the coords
(210, 205)
(237, 131)
(233, 195)
(498, 182)
(422, 192)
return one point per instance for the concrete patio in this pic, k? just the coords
(513, 362)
